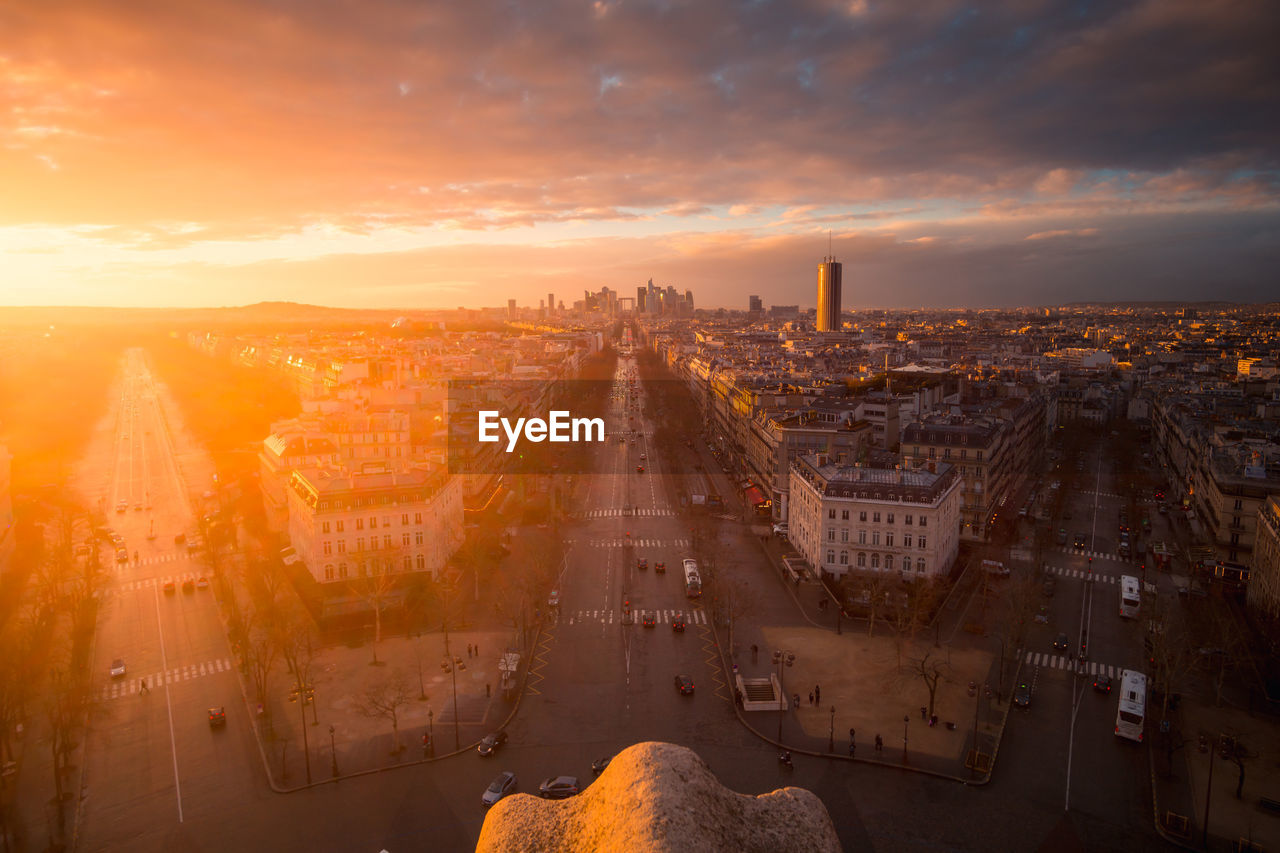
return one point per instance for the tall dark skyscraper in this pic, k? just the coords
(641, 304)
(829, 272)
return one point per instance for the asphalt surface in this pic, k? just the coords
(158, 778)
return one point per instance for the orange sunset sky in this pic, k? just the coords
(411, 154)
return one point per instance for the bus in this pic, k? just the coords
(692, 580)
(1133, 705)
(1129, 596)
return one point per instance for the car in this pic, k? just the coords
(1062, 536)
(1102, 683)
(138, 506)
(1079, 540)
(122, 506)
(639, 468)
(180, 539)
(122, 555)
(217, 717)
(600, 764)
(1022, 695)
(649, 619)
(503, 785)
(202, 583)
(642, 563)
(684, 684)
(660, 568)
(188, 585)
(1061, 642)
(677, 623)
(170, 588)
(553, 600)
(559, 788)
(643, 456)
(118, 669)
(289, 556)
(1162, 509)
(490, 743)
(116, 539)
(781, 529)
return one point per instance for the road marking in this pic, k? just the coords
(664, 617)
(1082, 574)
(120, 689)
(1047, 660)
(168, 701)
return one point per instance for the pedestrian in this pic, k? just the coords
(476, 648)
(143, 688)
(851, 735)
(817, 694)
(795, 700)
(810, 697)
(852, 749)
(488, 690)
(755, 652)
(924, 712)
(879, 743)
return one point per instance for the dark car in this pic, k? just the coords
(504, 785)
(489, 743)
(649, 620)
(559, 788)
(217, 717)
(598, 766)
(170, 588)
(1022, 695)
(1061, 642)
(188, 585)
(660, 568)
(639, 468)
(677, 623)
(1102, 683)
(684, 684)
(1079, 540)
(1062, 536)
(642, 564)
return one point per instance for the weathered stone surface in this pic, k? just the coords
(658, 797)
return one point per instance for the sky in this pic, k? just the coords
(401, 153)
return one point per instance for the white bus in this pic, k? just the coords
(692, 580)
(1132, 711)
(1129, 596)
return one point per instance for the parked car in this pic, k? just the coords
(684, 684)
(490, 743)
(504, 785)
(217, 717)
(1022, 695)
(598, 766)
(118, 668)
(559, 787)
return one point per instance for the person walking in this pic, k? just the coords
(879, 743)
(817, 694)
(810, 697)
(143, 688)
(924, 712)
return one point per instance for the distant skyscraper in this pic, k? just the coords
(641, 293)
(755, 304)
(829, 272)
(551, 303)
(511, 309)
(688, 301)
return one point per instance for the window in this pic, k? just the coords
(417, 518)
(924, 521)
(404, 538)
(360, 543)
(1238, 505)
(359, 524)
(341, 524)
(946, 453)
(324, 527)
(386, 540)
(373, 543)
(328, 572)
(831, 513)
(342, 570)
(408, 563)
(920, 565)
(844, 515)
(888, 540)
(875, 561)
(831, 557)
(906, 540)
(933, 453)
(404, 519)
(417, 538)
(373, 522)
(921, 542)
(862, 559)
(890, 518)
(907, 520)
(386, 521)
(875, 537)
(844, 534)
(862, 516)
(422, 562)
(844, 558)
(342, 546)
(875, 517)
(964, 454)
(862, 537)
(328, 548)
(917, 450)
(888, 561)
(831, 534)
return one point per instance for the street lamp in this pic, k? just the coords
(781, 657)
(333, 751)
(431, 729)
(906, 722)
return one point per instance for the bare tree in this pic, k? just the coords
(931, 670)
(384, 698)
(1170, 652)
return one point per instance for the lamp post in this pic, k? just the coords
(431, 729)
(906, 723)
(302, 693)
(782, 657)
(333, 751)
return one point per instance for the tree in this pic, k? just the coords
(1170, 652)
(930, 670)
(1019, 601)
(384, 698)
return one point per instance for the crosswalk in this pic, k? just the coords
(1097, 555)
(618, 513)
(120, 688)
(1089, 667)
(1082, 574)
(148, 583)
(161, 558)
(661, 617)
(634, 543)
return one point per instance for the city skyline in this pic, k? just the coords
(374, 157)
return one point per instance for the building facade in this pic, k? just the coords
(981, 452)
(847, 518)
(1264, 579)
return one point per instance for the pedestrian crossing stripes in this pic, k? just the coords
(160, 558)
(634, 543)
(1089, 667)
(120, 688)
(661, 617)
(618, 513)
(1097, 555)
(1083, 574)
(147, 583)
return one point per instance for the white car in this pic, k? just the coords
(118, 668)
(781, 529)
